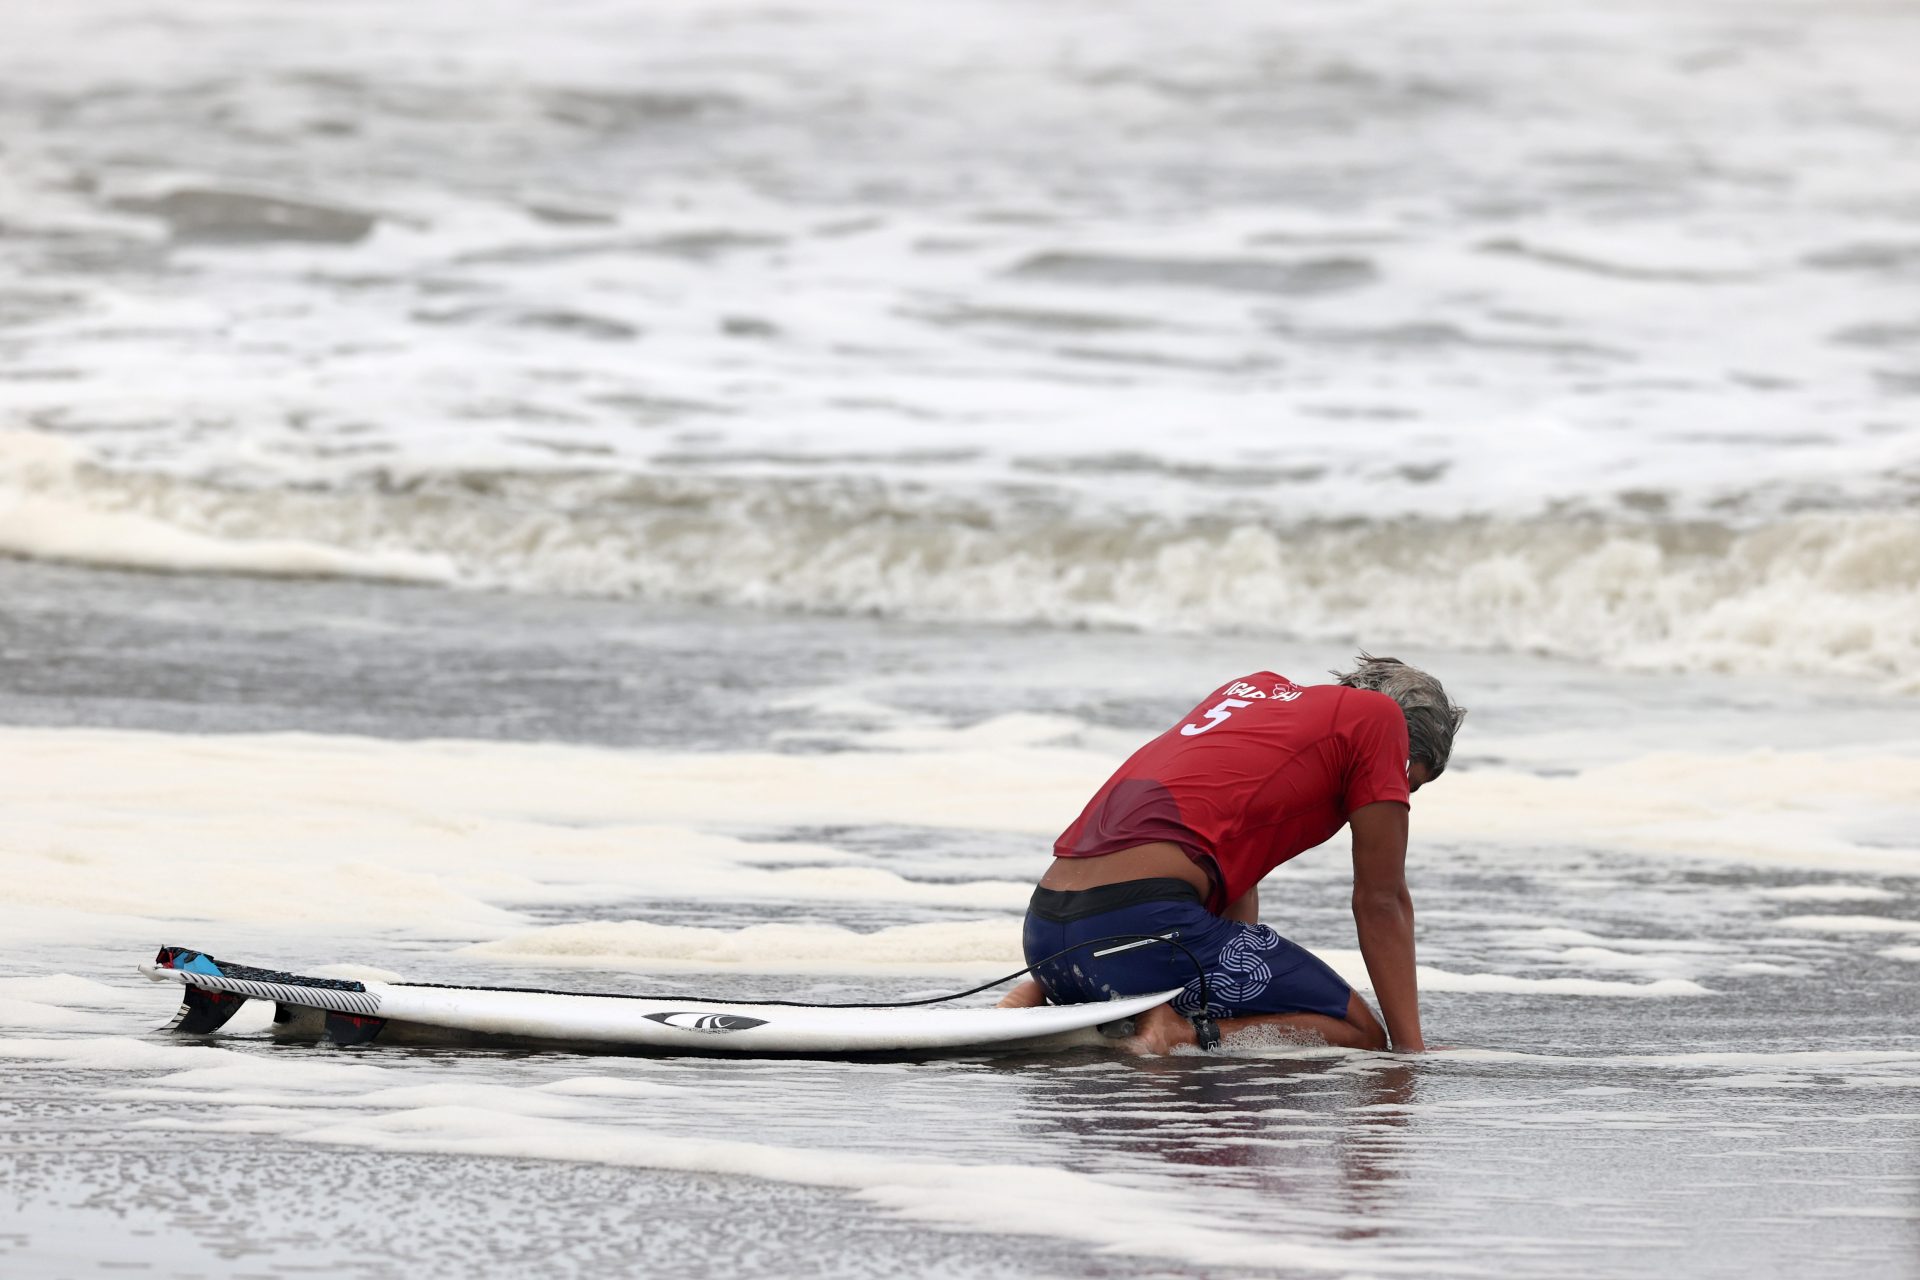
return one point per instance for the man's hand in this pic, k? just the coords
(1383, 917)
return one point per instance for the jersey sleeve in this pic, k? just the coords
(1377, 738)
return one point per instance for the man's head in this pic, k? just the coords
(1432, 719)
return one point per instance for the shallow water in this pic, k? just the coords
(1679, 1002)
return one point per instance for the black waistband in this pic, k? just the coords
(1063, 905)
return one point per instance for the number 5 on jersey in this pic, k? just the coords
(1218, 712)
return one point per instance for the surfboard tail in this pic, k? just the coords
(212, 991)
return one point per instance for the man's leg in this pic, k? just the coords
(1161, 1030)
(1251, 968)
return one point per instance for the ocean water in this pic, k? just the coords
(694, 496)
(1588, 332)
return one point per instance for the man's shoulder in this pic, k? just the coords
(1368, 714)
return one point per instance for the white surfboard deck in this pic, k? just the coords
(362, 1010)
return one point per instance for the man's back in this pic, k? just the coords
(1259, 771)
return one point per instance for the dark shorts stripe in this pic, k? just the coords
(1063, 906)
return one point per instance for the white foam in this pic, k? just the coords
(61, 988)
(45, 514)
(1900, 953)
(610, 1087)
(1781, 1060)
(464, 828)
(1351, 966)
(1579, 941)
(47, 529)
(771, 948)
(1849, 924)
(1782, 808)
(495, 1098)
(1829, 893)
(1607, 958)
(280, 1085)
(115, 1053)
(1439, 980)
(237, 1072)
(278, 1082)
(353, 972)
(36, 1016)
(1014, 1199)
(1823, 593)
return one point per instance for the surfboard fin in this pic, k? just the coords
(202, 1012)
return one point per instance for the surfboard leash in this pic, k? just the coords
(1206, 1031)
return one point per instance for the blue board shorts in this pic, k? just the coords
(1250, 969)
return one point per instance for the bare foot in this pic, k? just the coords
(1024, 996)
(1158, 1030)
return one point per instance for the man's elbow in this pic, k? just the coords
(1385, 902)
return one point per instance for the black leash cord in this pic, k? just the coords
(1203, 1024)
(1204, 1027)
(1198, 972)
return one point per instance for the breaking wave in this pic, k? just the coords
(1814, 592)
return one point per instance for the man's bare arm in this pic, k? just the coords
(1246, 907)
(1383, 915)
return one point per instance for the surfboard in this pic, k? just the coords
(352, 1012)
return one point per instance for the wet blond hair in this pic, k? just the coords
(1432, 718)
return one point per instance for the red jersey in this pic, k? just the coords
(1261, 771)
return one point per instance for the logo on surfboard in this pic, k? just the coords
(707, 1021)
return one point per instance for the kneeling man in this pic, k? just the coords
(1177, 841)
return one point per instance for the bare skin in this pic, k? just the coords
(1382, 916)
(1161, 1030)
(1157, 861)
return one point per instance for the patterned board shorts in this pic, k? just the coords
(1250, 969)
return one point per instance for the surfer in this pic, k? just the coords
(1177, 841)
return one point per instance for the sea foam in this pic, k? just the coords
(1813, 592)
(472, 837)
